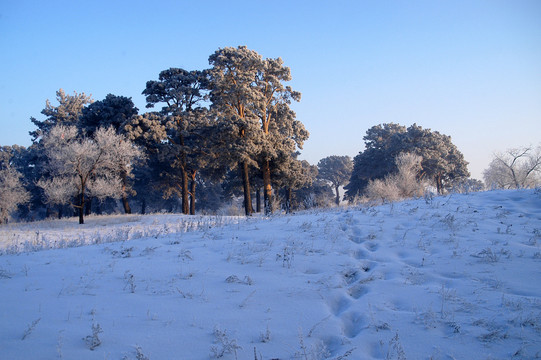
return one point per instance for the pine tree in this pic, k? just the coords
(233, 95)
(336, 170)
(182, 94)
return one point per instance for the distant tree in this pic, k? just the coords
(467, 185)
(382, 145)
(67, 113)
(82, 167)
(12, 191)
(318, 194)
(294, 174)
(18, 160)
(336, 170)
(514, 169)
(442, 163)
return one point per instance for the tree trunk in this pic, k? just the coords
(258, 200)
(88, 207)
(246, 187)
(127, 208)
(337, 195)
(267, 187)
(60, 208)
(288, 200)
(439, 185)
(192, 193)
(185, 196)
(143, 206)
(81, 208)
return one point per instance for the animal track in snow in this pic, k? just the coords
(357, 291)
(371, 246)
(339, 304)
(353, 323)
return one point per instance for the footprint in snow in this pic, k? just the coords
(339, 304)
(357, 291)
(352, 324)
(371, 246)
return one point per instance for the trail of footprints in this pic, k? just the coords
(353, 322)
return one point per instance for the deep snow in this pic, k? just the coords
(453, 277)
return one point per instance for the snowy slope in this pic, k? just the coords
(455, 277)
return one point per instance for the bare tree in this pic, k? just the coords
(514, 169)
(82, 167)
(12, 192)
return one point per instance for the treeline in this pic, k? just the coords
(213, 136)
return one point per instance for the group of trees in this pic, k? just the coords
(441, 163)
(227, 132)
(222, 129)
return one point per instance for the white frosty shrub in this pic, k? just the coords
(401, 185)
(12, 192)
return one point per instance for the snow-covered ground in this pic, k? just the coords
(455, 277)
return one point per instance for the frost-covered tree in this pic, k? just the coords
(294, 174)
(442, 163)
(233, 94)
(382, 145)
(82, 167)
(336, 170)
(514, 169)
(282, 132)
(249, 96)
(112, 112)
(12, 192)
(67, 112)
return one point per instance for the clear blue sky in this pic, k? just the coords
(469, 69)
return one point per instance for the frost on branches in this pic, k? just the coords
(80, 167)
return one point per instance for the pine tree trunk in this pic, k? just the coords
(143, 206)
(439, 184)
(192, 193)
(246, 187)
(267, 187)
(185, 196)
(258, 200)
(288, 200)
(337, 195)
(126, 204)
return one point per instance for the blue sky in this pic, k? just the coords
(468, 69)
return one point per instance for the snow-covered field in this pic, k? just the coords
(455, 277)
